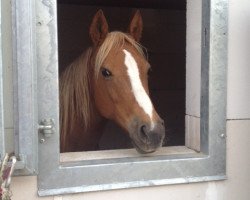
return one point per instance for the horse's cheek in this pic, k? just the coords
(103, 100)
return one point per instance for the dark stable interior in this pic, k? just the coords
(164, 36)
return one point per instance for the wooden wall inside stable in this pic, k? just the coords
(164, 36)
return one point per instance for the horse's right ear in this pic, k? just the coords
(136, 26)
(98, 28)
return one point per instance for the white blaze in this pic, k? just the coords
(138, 90)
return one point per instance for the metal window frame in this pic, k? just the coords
(2, 138)
(36, 49)
(25, 87)
(24, 66)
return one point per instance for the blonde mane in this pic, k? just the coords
(75, 102)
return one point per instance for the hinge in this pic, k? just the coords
(46, 127)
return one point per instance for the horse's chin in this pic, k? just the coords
(144, 149)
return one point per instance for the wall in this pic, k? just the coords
(237, 186)
(238, 58)
(193, 74)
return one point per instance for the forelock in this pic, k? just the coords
(114, 40)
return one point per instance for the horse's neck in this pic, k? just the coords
(83, 138)
(84, 131)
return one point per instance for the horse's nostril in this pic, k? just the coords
(143, 132)
(153, 137)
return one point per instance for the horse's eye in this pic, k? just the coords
(106, 73)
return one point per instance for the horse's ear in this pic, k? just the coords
(98, 28)
(136, 26)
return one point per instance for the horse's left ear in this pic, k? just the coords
(136, 26)
(98, 28)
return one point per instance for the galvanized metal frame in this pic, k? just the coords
(2, 138)
(104, 174)
(25, 87)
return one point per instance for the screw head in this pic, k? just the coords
(42, 140)
(222, 135)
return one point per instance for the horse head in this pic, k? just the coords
(120, 82)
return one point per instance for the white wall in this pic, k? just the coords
(237, 187)
(238, 104)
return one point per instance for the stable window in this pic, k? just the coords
(202, 125)
(166, 53)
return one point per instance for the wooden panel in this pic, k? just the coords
(192, 138)
(193, 58)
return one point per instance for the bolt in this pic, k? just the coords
(222, 135)
(42, 140)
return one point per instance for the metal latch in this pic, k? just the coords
(46, 127)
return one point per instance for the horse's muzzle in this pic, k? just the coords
(149, 138)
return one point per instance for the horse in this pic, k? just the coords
(109, 82)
